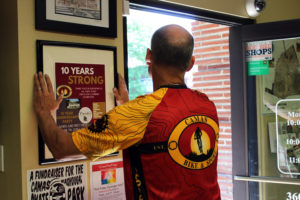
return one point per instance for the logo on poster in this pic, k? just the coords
(85, 115)
(57, 191)
(65, 90)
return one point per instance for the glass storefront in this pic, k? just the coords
(276, 65)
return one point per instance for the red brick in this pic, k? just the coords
(222, 124)
(221, 142)
(221, 130)
(217, 89)
(226, 71)
(211, 72)
(228, 131)
(195, 28)
(219, 78)
(196, 45)
(210, 61)
(204, 38)
(200, 68)
(208, 26)
(225, 35)
(210, 55)
(222, 136)
(219, 42)
(227, 95)
(225, 156)
(198, 33)
(225, 47)
(219, 107)
(225, 163)
(197, 79)
(224, 113)
(207, 84)
(226, 185)
(222, 101)
(204, 50)
(197, 57)
(214, 95)
(217, 30)
(226, 107)
(226, 82)
(227, 159)
(226, 60)
(226, 119)
(194, 23)
(223, 178)
(224, 170)
(219, 66)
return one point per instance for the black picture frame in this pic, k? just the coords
(67, 47)
(105, 26)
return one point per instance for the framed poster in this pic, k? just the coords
(92, 17)
(85, 75)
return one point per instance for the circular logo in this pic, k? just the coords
(85, 115)
(201, 133)
(65, 90)
(57, 191)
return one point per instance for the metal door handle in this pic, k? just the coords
(265, 179)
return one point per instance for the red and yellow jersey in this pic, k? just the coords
(173, 139)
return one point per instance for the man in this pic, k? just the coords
(161, 132)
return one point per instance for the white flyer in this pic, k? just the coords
(107, 180)
(61, 182)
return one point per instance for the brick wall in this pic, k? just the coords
(213, 78)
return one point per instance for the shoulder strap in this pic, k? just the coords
(139, 185)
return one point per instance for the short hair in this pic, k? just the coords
(170, 51)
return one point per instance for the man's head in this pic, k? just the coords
(172, 46)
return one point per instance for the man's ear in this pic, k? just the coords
(148, 57)
(191, 64)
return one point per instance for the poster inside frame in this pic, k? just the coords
(97, 17)
(86, 75)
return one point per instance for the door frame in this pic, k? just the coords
(180, 11)
(243, 98)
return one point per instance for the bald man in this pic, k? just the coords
(159, 132)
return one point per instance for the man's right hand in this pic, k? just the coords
(121, 93)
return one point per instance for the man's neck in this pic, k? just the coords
(167, 76)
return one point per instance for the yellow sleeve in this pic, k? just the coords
(119, 129)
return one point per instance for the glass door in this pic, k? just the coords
(266, 126)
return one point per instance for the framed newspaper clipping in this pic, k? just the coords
(85, 75)
(91, 17)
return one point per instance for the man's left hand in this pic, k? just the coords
(44, 99)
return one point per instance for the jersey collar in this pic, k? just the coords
(174, 86)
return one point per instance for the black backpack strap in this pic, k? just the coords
(139, 185)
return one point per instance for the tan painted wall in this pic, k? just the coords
(278, 10)
(10, 180)
(231, 7)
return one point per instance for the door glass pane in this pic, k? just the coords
(271, 191)
(276, 67)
